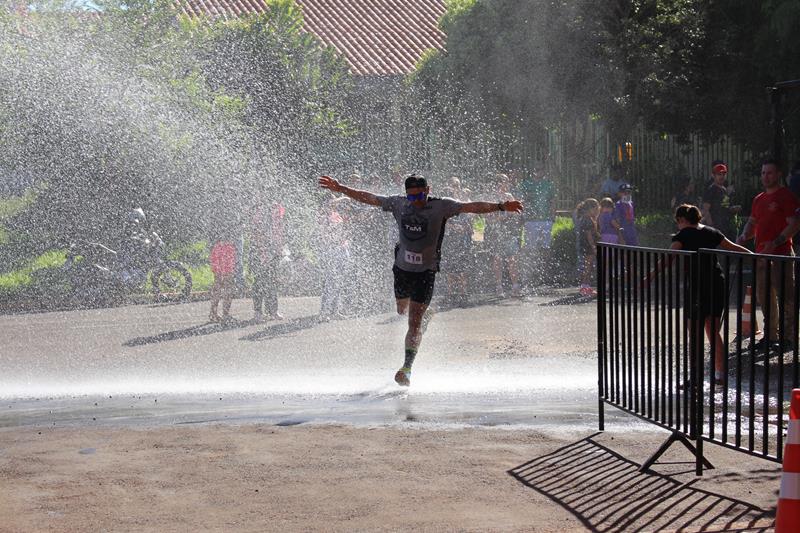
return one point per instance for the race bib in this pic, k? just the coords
(413, 258)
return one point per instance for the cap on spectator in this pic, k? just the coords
(626, 187)
(720, 168)
(413, 181)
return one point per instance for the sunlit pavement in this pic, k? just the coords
(500, 362)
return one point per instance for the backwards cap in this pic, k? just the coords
(720, 168)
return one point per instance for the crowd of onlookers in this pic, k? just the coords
(506, 254)
(708, 219)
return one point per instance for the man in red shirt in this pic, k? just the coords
(769, 217)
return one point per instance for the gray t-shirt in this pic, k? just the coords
(421, 230)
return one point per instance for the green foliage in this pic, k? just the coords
(202, 278)
(25, 276)
(175, 118)
(563, 254)
(10, 207)
(655, 229)
(291, 87)
(679, 66)
(192, 254)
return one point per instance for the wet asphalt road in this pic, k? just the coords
(494, 362)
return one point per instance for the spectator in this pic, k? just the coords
(708, 279)
(454, 182)
(223, 265)
(685, 194)
(771, 212)
(334, 253)
(608, 228)
(794, 179)
(586, 214)
(266, 250)
(624, 217)
(502, 236)
(456, 251)
(717, 209)
(538, 194)
(615, 180)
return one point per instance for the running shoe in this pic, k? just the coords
(403, 377)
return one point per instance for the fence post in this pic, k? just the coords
(601, 333)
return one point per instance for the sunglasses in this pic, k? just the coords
(416, 197)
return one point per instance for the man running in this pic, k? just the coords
(420, 219)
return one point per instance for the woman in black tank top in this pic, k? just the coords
(693, 236)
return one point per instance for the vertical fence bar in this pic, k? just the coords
(643, 275)
(628, 277)
(670, 344)
(739, 300)
(795, 312)
(649, 335)
(635, 284)
(697, 366)
(656, 348)
(664, 367)
(725, 323)
(782, 321)
(768, 321)
(751, 413)
(601, 333)
(687, 301)
(615, 281)
(677, 336)
(706, 261)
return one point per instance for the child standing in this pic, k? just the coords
(223, 265)
(624, 216)
(605, 222)
(586, 221)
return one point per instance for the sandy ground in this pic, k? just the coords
(338, 478)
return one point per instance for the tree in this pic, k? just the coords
(678, 66)
(137, 107)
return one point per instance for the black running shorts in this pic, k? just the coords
(415, 285)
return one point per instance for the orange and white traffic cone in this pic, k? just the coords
(748, 315)
(788, 518)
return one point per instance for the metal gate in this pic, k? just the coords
(656, 362)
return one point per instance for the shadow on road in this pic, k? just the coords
(571, 299)
(282, 328)
(194, 331)
(607, 493)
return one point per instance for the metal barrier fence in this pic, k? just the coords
(656, 361)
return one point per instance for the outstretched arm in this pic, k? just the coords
(365, 197)
(666, 262)
(515, 206)
(733, 247)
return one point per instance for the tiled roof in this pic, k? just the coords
(384, 37)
